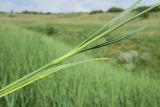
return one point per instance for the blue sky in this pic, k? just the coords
(66, 5)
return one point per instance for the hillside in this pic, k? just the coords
(140, 53)
(89, 85)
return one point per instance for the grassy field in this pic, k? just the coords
(129, 79)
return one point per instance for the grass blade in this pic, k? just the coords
(24, 82)
(118, 26)
(114, 21)
(54, 67)
(116, 40)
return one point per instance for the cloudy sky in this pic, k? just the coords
(66, 5)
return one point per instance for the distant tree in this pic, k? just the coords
(31, 12)
(40, 13)
(1, 12)
(115, 9)
(96, 11)
(142, 8)
(157, 9)
(25, 12)
(48, 13)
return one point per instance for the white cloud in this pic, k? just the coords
(79, 5)
(6, 6)
(66, 5)
(72, 5)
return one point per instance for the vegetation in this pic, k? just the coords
(31, 12)
(11, 13)
(96, 11)
(142, 8)
(115, 9)
(96, 84)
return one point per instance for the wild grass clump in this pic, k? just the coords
(47, 29)
(50, 30)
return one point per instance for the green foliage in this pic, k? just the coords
(97, 84)
(47, 29)
(115, 9)
(1, 12)
(96, 11)
(50, 30)
(48, 13)
(31, 12)
(157, 9)
(142, 8)
(108, 28)
(91, 84)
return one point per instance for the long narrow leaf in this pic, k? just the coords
(114, 21)
(118, 26)
(24, 82)
(116, 40)
(54, 67)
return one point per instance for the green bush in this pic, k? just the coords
(96, 11)
(50, 30)
(115, 9)
(142, 8)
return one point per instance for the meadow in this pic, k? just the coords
(129, 79)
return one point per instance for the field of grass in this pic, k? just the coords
(26, 45)
(73, 28)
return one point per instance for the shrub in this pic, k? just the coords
(31, 12)
(142, 8)
(48, 13)
(50, 30)
(96, 11)
(115, 9)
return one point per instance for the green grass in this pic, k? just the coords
(55, 65)
(96, 84)
(25, 49)
(72, 33)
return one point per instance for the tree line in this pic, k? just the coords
(110, 10)
(117, 9)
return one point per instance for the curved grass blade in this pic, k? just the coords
(24, 82)
(116, 40)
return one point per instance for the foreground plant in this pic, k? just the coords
(56, 65)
